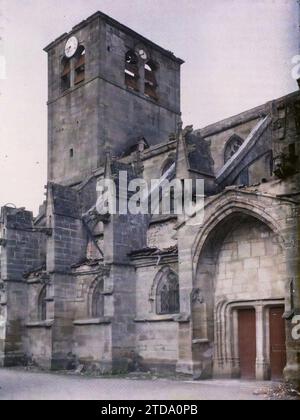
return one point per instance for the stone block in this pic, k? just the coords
(244, 250)
(258, 249)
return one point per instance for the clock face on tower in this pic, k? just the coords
(71, 47)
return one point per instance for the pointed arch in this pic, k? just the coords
(215, 252)
(165, 292)
(227, 204)
(96, 298)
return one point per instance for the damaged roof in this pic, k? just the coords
(199, 154)
(150, 252)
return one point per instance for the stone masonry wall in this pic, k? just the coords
(92, 346)
(161, 235)
(22, 251)
(250, 265)
(23, 247)
(157, 345)
(156, 335)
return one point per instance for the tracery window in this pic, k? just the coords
(167, 294)
(232, 146)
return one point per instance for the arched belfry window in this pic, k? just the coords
(97, 304)
(66, 74)
(131, 70)
(150, 80)
(232, 146)
(167, 293)
(42, 305)
(80, 65)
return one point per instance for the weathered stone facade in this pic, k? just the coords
(128, 292)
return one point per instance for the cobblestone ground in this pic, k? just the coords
(17, 384)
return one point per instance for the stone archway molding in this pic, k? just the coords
(226, 361)
(274, 212)
(264, 208)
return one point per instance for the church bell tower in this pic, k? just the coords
(108, 87)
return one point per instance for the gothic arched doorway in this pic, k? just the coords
(240, 276)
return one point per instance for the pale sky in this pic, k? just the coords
(238, 55)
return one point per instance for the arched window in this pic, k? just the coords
(80, 65)
(66, 74)
(42, 305)
(167, 294)
(97, 309)
(131, 70)
(150, 80)
(232, 146)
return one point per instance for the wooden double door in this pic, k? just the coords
(277, 342)
(247, 342)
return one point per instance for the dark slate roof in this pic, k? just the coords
(149, 252)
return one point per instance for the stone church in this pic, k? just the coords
(132, 293)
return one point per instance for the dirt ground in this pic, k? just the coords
(17, 384)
